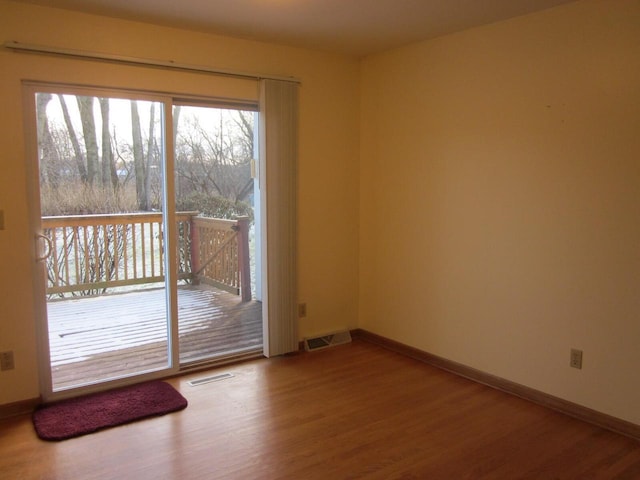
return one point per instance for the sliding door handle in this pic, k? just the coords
(49, 250)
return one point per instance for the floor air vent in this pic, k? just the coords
(213, 378)
(331, 340)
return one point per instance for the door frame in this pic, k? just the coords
(168, 100)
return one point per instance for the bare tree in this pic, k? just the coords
(216, 161)
(78, 152)
(47, 153)
(177, 110)
(85, 105)
(138, 157)
(109, 173)
(244, 122)
(149, 162)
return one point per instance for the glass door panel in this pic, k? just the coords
(220, 313)
(100, 164)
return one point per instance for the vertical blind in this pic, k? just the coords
(279, 158)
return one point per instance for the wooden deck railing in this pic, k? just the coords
(219, 252)
(91, 253)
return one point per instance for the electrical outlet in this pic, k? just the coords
(6, 361)
(302, 310)
(576, 358)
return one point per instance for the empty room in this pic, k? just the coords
(345, 239)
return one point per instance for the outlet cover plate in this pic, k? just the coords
(576, 358)
(6, 361)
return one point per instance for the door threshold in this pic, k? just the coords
(237, 356)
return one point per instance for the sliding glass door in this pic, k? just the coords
(146, 234)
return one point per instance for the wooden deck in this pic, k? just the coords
(98, 338)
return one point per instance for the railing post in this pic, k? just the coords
(194, 249)
(244, 266)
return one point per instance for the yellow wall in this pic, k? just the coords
(500, 200)
(328, 168)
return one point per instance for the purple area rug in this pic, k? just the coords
(82, 415)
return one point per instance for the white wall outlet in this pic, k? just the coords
(576, 358)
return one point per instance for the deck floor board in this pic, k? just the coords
(99, 338)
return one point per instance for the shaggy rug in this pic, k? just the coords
(82, 415)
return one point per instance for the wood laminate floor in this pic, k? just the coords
(351, 412)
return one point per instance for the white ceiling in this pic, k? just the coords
(355, 27)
